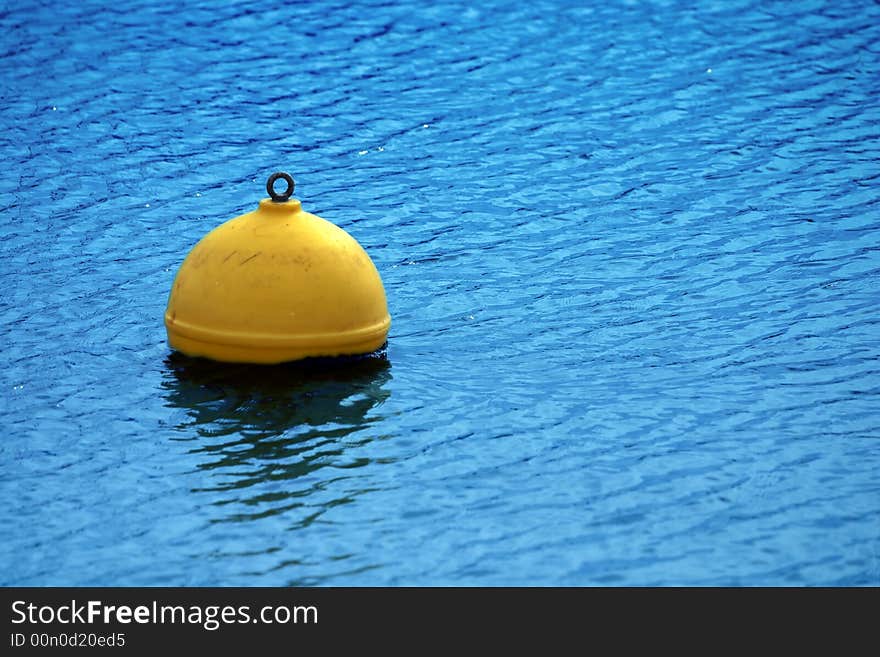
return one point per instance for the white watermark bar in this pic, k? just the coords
(329, 621)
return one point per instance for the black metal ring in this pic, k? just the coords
(270, 186)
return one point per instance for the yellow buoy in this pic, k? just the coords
(274, 285)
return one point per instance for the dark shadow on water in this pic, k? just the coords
(265, 432)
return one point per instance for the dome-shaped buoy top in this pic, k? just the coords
(274, 285)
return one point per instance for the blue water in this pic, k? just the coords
(631, 252)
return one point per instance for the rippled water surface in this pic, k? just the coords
(630, 251)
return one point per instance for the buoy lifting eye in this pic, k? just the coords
(270, 187)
